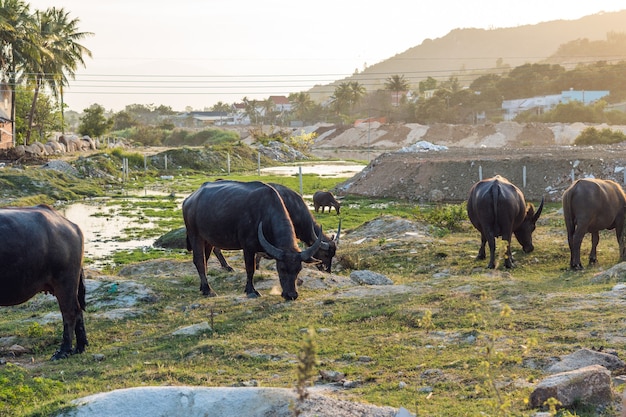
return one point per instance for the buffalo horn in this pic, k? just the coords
(338, 232)
(538, 213)
(308, 253)
(270, 249)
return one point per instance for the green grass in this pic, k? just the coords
(437, 336)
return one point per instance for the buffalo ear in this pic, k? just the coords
(538, 213)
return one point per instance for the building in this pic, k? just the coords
(542, 104)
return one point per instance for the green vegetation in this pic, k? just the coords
(456, 341)
(593, 136)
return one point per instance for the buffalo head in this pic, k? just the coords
(288, 264)
(523, 234)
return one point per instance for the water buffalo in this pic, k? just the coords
(244, 215)
(42, 251)
(497, 208)
(307, 230)
(325, 199)
(591, 205)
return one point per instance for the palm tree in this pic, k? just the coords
(268, 107)
(357, 92)
(301, 103)
(57, 56)
(347, 95)
(15, 39)
(396, 84)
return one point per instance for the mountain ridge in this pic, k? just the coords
(470, 52)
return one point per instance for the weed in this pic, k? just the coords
(305, 370)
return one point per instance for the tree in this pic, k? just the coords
(428, 84)
(347, 95)
(94, 123)
(396, 84)
(15, 40)
(302, 104)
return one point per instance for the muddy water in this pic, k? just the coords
(103, 229)
(338, 169)
(104, 224)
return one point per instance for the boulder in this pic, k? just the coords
(586, 357)
(589, 385)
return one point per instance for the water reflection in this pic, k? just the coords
(330, 170)
(103, 227)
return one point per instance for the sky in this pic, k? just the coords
(192, 54)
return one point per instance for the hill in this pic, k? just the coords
(469, 52)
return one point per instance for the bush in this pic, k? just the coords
(591, 136)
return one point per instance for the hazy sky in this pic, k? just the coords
(198, 52)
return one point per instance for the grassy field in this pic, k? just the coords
(458, 340)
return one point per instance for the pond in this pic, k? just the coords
(338, 169)
(108, 226)
(104, 229)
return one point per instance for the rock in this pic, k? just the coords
(217, 402)
(586, 357)
(367, 277)
(332, 376)
(615, 273)
(588, 385)
(193, 329)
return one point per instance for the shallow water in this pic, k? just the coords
(103, 228)
(104, 224)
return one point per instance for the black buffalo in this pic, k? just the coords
(497, 208)
(42, 251)
(305, 226)
(244, 215)
(325, 199)
(591, 205)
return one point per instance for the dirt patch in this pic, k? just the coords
(436, 176)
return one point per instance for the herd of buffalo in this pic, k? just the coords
(267, 220)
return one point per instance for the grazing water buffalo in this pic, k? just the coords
(497, 208)
(42, 251)
(591, 205)
(307, 230)
(325, 199)
(238, 215)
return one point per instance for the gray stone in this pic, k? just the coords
(586, 357)
(193, 329)
(366, 277)
(589, 385)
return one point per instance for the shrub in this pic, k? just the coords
(591, 136)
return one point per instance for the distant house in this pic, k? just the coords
(281, 103)
(542, 104)
(203, 119)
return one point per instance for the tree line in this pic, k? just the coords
(39, 49)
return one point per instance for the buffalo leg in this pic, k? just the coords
(491, 240)
(508, 257)
(200, 261)
(481, 252)
(595, 238)
(81, 334)
(249, 260)
(220, 258)
(70, 310)
(575, 241)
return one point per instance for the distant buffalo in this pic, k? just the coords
(497, 208)
(42, 251)
(591, 205)
(325, 199)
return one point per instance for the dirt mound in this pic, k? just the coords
(436, 176)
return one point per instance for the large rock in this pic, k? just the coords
(589, 385)
(216, 402)
(586, 357)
